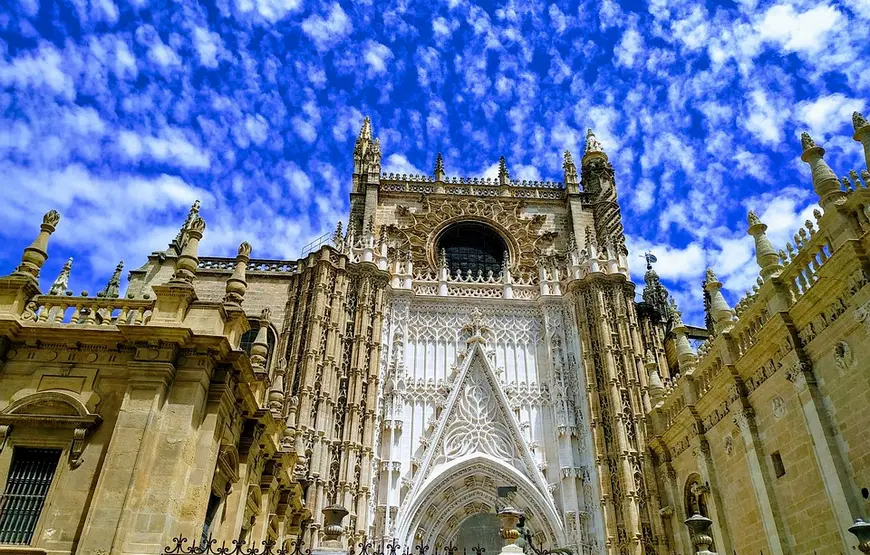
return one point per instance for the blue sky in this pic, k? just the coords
(119, 115)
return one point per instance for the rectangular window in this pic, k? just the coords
(778, 467)
(29, 478)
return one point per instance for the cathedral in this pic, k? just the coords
(459, 348)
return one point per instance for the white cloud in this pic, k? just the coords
(38, 69)
(163, 55)
(376, 56)
(328, 31)
(798, 32)
(674, 264)
(170, 147)
(300, 183)
(827, 114)
(207, 45)
(765, 120)
(398, 163)
(270, 10)
(643, 196)
(628, 48)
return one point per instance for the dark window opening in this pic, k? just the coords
(29, 478)
(778, 467)
(210, 513)
(472, 248)
(865, 493)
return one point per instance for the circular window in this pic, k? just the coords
(472, 247)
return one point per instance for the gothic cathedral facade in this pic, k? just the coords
(459, 346)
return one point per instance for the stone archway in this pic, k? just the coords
(466, 487)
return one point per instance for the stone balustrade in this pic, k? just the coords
(87, 311)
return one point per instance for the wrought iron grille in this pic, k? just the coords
(237, 547)
(472, 248)
(30, 477)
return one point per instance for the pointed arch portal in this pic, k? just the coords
(476, 447)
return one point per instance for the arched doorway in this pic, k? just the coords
(480, 530)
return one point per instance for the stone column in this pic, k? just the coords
(708, 473)
(127, 456)
(841, 494)
(774, 527)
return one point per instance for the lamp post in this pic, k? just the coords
(699, 527)
(861, 530)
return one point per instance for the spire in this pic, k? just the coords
(503, 175)
(61, 284)
(113, 287)
(825, 182)
(593, 150)
(439, 167)
(373, 158)
(656, 387)
(862, 135)
(765, 254)
(362, 146)
(570, 172)
(720, 312)
(178, 242)
(35, 255)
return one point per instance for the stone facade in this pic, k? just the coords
(242, 398)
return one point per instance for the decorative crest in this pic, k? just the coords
(61, 284)
(197, 224)
(592, 143)
(858, 121)
(245, 249)
(807, 142)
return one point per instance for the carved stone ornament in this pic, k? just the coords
(778, 406)
(729, 445)
(843, 355)
(421, 228)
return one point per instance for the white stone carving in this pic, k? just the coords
(779, 408)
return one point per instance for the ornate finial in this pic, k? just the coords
(858, 121)
(807, 142)
(370, 225)
(439, 167)
(711, 276)
(337, 237)
(752, 218)
(650, 259)
(374, 158)
(51, 218)
(382, 236)
(442, 258)
(266, 315)
(112, 290)
(178, 242)
(365, 132)
(503, 174)
(61, 284)
(570, 170)
(35, 255)
(649, 358)
(592, 143)
(245, 249)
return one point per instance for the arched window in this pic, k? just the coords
(472, 247)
